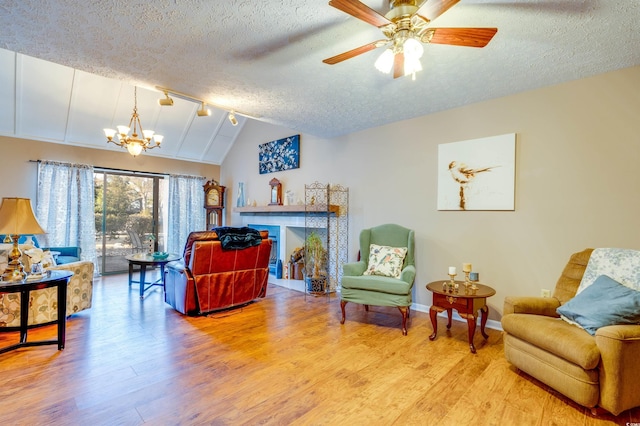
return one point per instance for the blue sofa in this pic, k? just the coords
(66, 254)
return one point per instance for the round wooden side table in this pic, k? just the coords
(467, 303)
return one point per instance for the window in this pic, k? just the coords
(129, 216)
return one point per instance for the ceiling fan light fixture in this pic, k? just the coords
(232, 118)
(412, 66)
(407, 26)
(384, 63)
(413, 51)
(204, 112)
(412, 48)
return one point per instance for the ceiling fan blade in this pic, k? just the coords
(361, 11)
(471, 37)
(434, 8)
(398, 65)
(355, 52)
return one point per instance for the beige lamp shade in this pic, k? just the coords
(17, 218)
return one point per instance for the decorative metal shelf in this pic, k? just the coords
(330, 221)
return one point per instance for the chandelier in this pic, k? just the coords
(133, 143)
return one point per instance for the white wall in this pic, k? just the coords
(577, 181)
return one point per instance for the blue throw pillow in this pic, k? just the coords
(605, 302)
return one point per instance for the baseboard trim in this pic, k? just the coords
(492, 324)
(298, 285)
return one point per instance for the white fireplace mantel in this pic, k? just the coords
(290, 219)
(294, 209)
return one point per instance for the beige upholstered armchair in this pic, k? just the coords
(582, 357)
(43, 307)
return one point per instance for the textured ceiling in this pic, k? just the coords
(264, 58)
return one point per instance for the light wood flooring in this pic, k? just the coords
(282, 360)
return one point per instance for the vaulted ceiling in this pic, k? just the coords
(46, 101)
(68, 67)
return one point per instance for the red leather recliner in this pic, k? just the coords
(209, 278)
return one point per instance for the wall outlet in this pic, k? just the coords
(545, 292)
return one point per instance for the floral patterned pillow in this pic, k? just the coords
(4, 259)
(621, 265)
(386, 261)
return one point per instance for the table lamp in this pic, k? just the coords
(17, 218)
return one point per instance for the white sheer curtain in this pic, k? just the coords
(65, 206)
(186, 210)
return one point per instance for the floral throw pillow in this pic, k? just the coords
(386, 261)
(4, 259)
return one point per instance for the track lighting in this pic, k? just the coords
(232, 118)
(167, 101)
(204, 112)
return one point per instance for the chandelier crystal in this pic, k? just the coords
(133, 143)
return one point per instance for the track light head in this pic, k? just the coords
(167, 101)
(232, 118)
(204, 112)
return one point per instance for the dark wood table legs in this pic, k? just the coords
(58, 279)
(471, 322)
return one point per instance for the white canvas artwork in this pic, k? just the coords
(477, 174)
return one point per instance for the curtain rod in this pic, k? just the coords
(118, 170)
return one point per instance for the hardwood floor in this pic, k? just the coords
(282, 360)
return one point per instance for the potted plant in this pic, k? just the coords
(315, 255)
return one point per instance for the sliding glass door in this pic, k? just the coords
(129, 217)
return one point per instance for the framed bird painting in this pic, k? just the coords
(477, 174)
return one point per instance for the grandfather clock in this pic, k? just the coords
(213, 203)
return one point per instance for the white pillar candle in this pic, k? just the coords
(452, 270)
(466, 267)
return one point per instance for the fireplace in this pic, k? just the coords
(274, 234)
(286, 230)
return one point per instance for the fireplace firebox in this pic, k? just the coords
(274, 235)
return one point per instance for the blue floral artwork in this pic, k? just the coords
(283, 154)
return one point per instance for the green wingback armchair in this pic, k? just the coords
(381, 290)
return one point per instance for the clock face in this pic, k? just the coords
(213, 198)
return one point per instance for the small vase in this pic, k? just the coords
(240, 201)
(29, 241)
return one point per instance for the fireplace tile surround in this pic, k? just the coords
(289, 232)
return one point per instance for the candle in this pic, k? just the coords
(473, 276)
(452, 270)
(466, 267)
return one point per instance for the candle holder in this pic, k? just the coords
(467, 281)
(452, 283)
